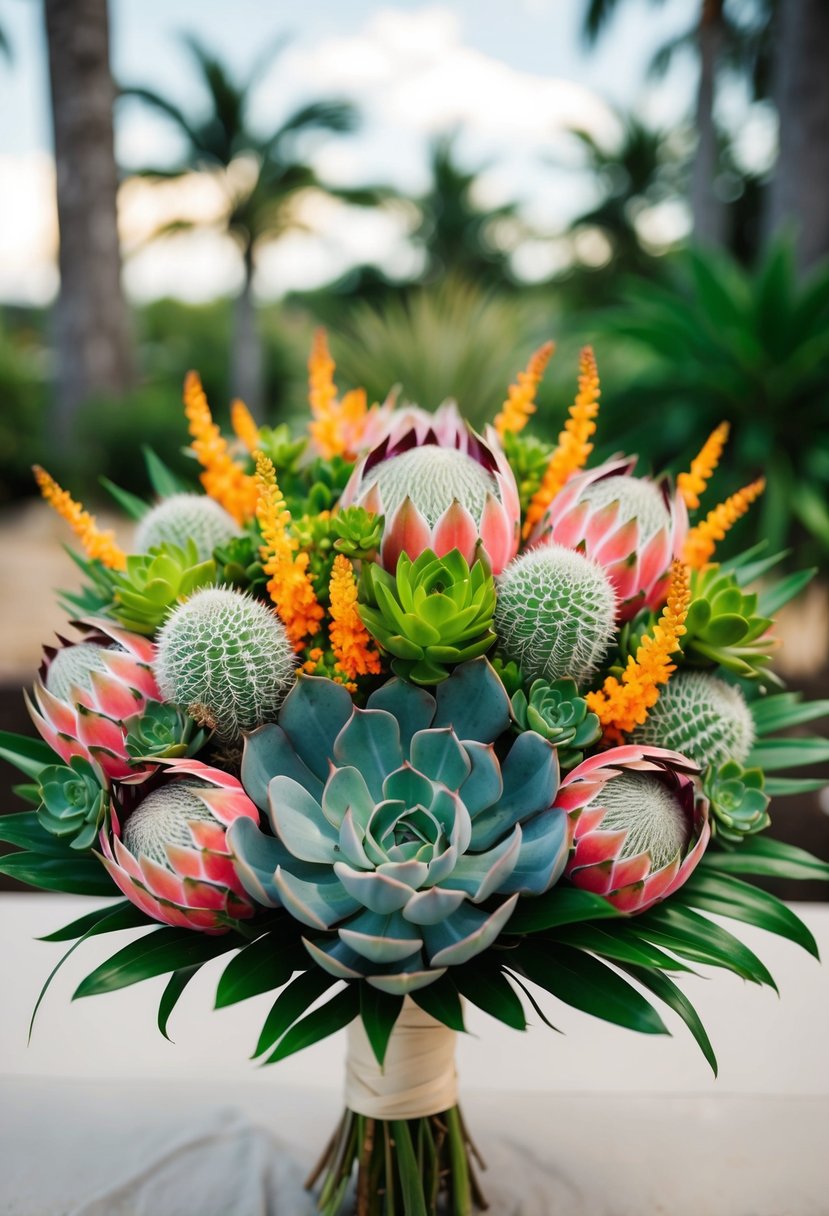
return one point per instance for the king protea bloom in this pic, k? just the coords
(440, 486)
(639, 824)
(86, 690)
(632, 526)
(170, 856)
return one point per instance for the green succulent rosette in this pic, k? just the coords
(557, 713)
(724, 627)
(238, 564)
(358, 532)
(155, 582)
(163, 732)
(739, 803)
(73, 801)
(432, 614)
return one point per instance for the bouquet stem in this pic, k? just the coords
(402, 1132)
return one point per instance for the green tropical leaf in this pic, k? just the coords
(379, 1011)
(291, 1003)
(163, 480)
(725, 895)
(612, 943)
(175, 986)
(261, 966)
(563, 905)
(698, 939)
(29, 791)
(27, 754)
(778, 787)
(414, 1201)
(102, 920)
(74, 875)
(156, 953)
(783, 710)
(774, 598)
(441, 1000)
(773, 754)
(766, 858)
(580, 980)
(336, 1013)
(666, 990)
(484, 984)
(25, 830)
(134, 506)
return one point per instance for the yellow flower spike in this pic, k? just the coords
(289, 584)
(351, 643)
(520, 403)
(574, 444)
(692, 484)
(98, 546)
(622, 705)
(244, 427)
(702, 540)
(222, 478)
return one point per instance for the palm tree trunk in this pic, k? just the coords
(247, 358)
(92, 327)
(800, 188)
(707, 210)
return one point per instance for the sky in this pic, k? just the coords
(513, 75)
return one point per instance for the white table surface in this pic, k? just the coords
(596, 1120)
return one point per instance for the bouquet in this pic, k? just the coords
(395, 716)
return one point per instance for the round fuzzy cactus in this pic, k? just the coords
(226, 659)
(184, 517)
(73, 666)
(638, 499)
(555, 614)
(701, 716)
(163, 819)
(432, 478)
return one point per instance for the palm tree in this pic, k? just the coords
(262, 177)
(457, 234)
(92, 329)
(735, 38)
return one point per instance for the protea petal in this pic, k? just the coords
(456, 529)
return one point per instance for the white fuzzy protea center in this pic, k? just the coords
(433, 478)
(701, 716)
(652, 816)
(637, 499)
(72, 667)
(184, 517)
(162, 819)
(555, 613)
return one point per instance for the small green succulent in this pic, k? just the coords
(431, 615)
(509, 673)
(285, 451)
(739, 804)
(358, 532)
(723, 627)
(162, 732)
(528, 457)
(153, 583)
(557, 712)
(238, 564)
(73, 801)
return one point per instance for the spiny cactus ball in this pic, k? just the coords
(226, 659)
(72, 666)
(641, 805)
(433, 478)
(555, 614)
(638, 499)
(183, 517)
(701, 716)
(161, 819)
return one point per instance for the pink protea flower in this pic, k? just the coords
(440, 486)
(639, 824)
(632, 526)
(171, 858)
(86, 690)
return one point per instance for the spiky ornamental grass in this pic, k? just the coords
(186, 517)
(226, 659)
(701, 716)
(555, 614)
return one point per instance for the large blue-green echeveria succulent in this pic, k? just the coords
(397, 834)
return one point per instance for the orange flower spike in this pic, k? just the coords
(520, 403)
(622, 704)
(289, 584)
(222, 478)
(244, 427)
(574, 444)
(98, 546)
(702, 540)
(692, 484)
(350, 640)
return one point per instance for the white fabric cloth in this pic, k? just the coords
(418, 1076)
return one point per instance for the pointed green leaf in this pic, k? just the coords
(773, 598)
(773, 754)
(262, 966)
(102, 920)
(176, 984)
(27, 754)
(134, 506)
(666, 990)
(765, 857)
(379, 1011)
(698, 939)
(25, 830)
(441, 1000)
(612, 943)
(74, 875)
(291, 1003)
(725, 895)
(563, 905)
(163, 480)
(335, 1014)
(156, 953)
(484, 984)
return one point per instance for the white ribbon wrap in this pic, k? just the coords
(418, 1077)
